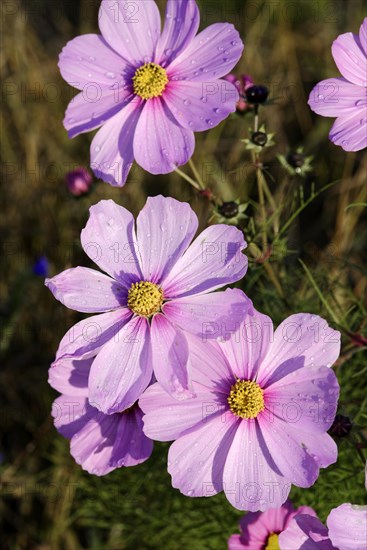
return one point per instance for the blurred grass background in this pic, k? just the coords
(46, 501)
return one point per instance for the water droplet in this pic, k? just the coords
(210, 123)
(97, 148)
(92, 58)
(204, 99)
(361, 103)
(168, 51)
(233, 43)
(216, 110)
(187, 102)
(109, 74)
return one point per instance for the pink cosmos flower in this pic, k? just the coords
(346, 98)
(157, 293)
(100, 443)
(347, 530)
(264, 402)
(261, 531)
(149, 90)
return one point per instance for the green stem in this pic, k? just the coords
(197, 174)
(188, 179)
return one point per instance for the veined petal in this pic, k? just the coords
(305, 532)
(70, 376)
(350, 59)
(348, 527)
(160, 143)
(131, 28)
(166, 418)
(350, 132)
(301, 340)
(87, 290)
(92, 107)
(86, 338)
(213, 260)
(109, 240)
(170, 358)
(209, 316)
(337, 97)
(251, 479)
(165, 228)
(122, 369)
(89, 59)
(211, 54)
(199, 106)
(196, 460)
(180, 26)
(111, 150)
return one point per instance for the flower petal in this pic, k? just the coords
(180, 26)
(88, 59)
(196, 460)
(165, 228)
(109, 240)
(200, 106)
(251, 479)
(350, 59)
(348, 527)
(209, 316)
(70, 376)
(351, 132)
(85, 339)
(363, 36)
(122, 369)
(70, 413)
(306, 398)
(166, 418)
(246, 349)
(305, 532)
(211, 54)
(302, 340)
(87, 290)
(131, 28)
(336, 97)
(160, 143)
(111, 150)
(170, 358)
(213, 260)
(290, 456)
(92, 107)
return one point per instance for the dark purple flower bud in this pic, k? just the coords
(228, 209)
(257, 94)
(79, 181)
(259, 138)
(341, 426)
(296, 160)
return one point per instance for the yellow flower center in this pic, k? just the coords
(150, 80)
(145, 298)
(246, 399)
(272, 542)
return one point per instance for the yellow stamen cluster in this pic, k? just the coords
(145, 298)
(246, 399)
(272, 542)
(150, 81)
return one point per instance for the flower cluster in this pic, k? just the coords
(167, 354)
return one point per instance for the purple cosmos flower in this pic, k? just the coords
(347, 530)
(150, 91)
(99, 442)
(345, 98)
(78, 181)
(261, 530)
(264, 402)
(157, 292)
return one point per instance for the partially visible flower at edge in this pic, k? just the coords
(346, 530)
(346, 97)
(150, 91)
(260, 530)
